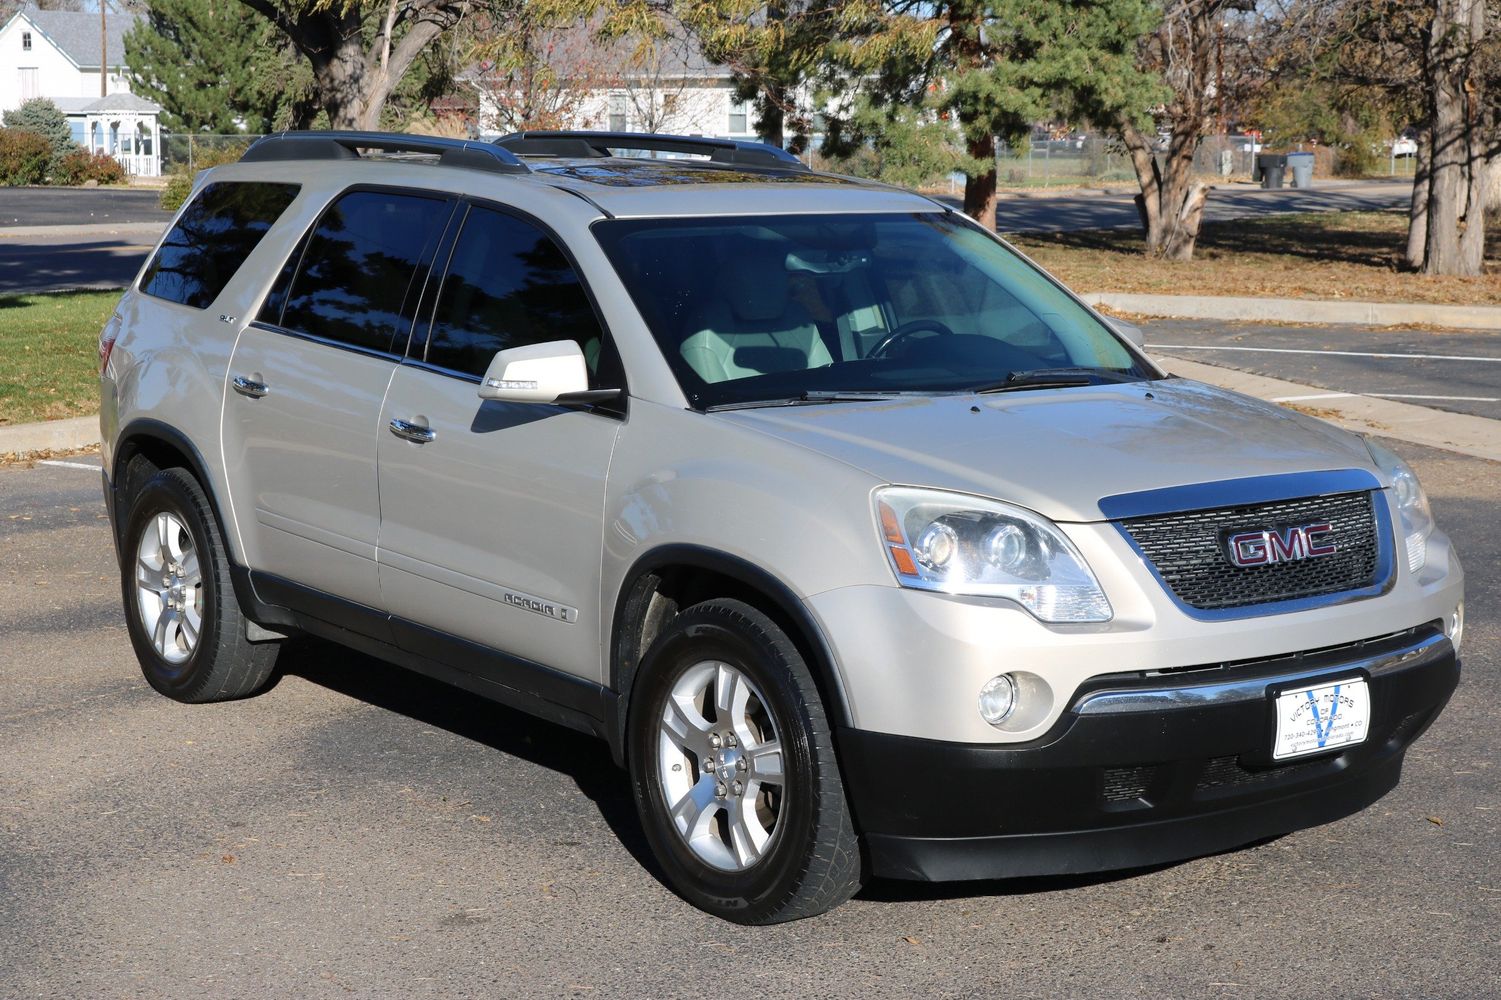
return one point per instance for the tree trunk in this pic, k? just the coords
(1417, 212)
(352, 82)
(1452, 98)
(1171, 202)
(980, 198)
(771, 120)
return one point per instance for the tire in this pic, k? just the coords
(180, 606)
(766, 836)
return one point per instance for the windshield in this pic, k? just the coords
(814, 308)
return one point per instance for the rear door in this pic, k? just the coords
(306, 383)
(491, 529)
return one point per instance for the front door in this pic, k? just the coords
(491, 527)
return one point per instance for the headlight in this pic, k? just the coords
(961, 544)
(1412, 502)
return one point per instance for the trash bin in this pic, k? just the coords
(1300, 165)
(1271, 167)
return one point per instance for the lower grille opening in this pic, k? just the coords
(1126, 784)
(1225, 772)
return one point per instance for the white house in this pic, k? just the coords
(666, 85)
(56, 54)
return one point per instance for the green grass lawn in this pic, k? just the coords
(49, 354)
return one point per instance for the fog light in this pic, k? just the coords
(1456, 625)
(997, 699)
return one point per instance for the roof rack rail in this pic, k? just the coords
(335, 145)
(740, 152)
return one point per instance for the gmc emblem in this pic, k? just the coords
(1262, 548)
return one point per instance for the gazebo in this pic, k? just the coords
(125, 126)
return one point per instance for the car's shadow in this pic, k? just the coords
(584, 760)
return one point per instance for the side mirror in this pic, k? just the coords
(553, 372)
(1130, 331)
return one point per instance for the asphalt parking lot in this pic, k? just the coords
(1451, 370)
(357, 831)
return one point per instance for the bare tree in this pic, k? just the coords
(360, 49)
(1437, 64)
(539, 77)
(656, 77)
(1186, 52)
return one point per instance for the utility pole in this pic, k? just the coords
(103, 53)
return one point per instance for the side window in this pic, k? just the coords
(212, 238)
(361, 272)
(508, 285)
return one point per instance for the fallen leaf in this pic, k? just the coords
(1435, 821)
(228, 859)
(912, 940)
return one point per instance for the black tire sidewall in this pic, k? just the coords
(172, 492)
(751, 895)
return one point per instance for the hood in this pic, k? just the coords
(1058, 451)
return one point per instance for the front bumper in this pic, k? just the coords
(1141, 769)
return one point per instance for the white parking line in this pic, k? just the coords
(1456, 399)
(68, 465)
(1296, 350)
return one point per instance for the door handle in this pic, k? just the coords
(412, 432)
(250, 387)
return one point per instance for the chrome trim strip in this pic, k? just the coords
(1237, 493)
(1134, 700)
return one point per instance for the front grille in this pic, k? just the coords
(1190, 551)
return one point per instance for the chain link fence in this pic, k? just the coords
(188, 152)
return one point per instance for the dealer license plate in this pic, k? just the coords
(1315, 719)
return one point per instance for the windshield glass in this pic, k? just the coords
(807, 307)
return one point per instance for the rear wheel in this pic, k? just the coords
(180, 608)
(733, 766)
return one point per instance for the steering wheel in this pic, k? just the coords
(906, 330)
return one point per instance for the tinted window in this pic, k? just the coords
(508, 285)
(212, 238)
(361, 272)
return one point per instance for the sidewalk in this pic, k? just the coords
(1477, 437)
(1266, 310)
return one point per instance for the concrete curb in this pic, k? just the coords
(152, 229)
(1478, 437)
(21, 440)
(1300, 310)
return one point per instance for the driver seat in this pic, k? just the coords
(754, 327)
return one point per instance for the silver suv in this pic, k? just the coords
(868, 548)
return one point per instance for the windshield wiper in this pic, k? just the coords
(812, 397)
(1056, 378)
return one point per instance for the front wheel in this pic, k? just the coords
(733, 766)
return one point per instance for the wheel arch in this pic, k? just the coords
(674, 576)
(147, 445)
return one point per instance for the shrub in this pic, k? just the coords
(24, 157)
(43, 118)
(81, 166)
(180, 183)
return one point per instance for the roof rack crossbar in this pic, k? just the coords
(740, 152)
(338, 145)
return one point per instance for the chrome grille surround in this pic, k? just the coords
(1181, 536)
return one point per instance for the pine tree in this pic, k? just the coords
(41, 116)
(215, 67)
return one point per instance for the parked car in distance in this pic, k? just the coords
(869, 549)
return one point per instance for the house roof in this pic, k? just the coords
(120, 102)
(76, 34)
